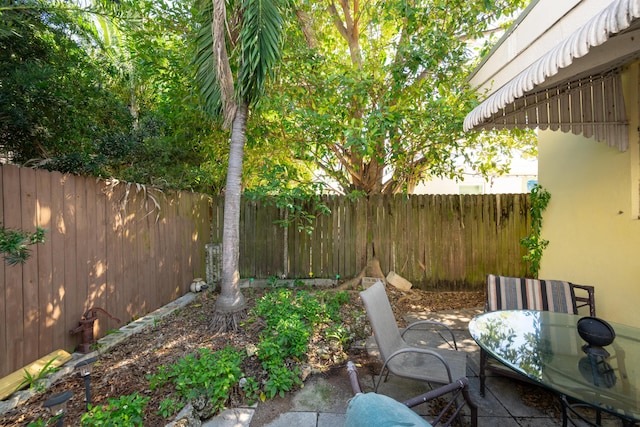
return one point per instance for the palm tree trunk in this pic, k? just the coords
(231, 305)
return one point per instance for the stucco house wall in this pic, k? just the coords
(592, 222)
(571, 69)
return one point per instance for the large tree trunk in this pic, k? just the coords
(231, 305)
(372, 266)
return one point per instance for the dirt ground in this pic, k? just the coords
(123, 370)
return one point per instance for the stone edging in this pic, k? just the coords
(104, 344)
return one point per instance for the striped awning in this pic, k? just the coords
(566, 89)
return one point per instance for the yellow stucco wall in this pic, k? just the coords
(592, 220)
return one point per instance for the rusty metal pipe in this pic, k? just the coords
(86, 328)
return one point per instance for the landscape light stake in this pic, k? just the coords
(85, 367)
(57, 405)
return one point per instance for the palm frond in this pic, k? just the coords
(147, 195)
(257, 50)
(204, 63)
(93, 23)
(259, 42)
(213, 75)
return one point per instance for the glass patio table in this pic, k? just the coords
(545, 347)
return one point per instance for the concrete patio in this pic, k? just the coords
(507, 402)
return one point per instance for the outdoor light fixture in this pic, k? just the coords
(57, 405)
(85, 367)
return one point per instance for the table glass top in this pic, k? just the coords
(546, 347)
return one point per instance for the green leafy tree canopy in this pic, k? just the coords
(375, 93)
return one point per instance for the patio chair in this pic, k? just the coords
(433, 365)
(372, 409)
(519, 293)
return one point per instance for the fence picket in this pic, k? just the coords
(44, 261)
(81, 246)
(30, 268)
(4, 343)
(14, 306)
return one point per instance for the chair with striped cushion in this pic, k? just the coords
(519, 293)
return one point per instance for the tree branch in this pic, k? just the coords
(348, 29)
(338, 21)
(309, 34)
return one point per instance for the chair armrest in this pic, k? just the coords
(451, 410)
(413, 326)
(585, 301)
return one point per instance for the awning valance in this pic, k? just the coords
(591, 106)
(532, 97)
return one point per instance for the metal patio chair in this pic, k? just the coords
(430, 364)
(372, 409)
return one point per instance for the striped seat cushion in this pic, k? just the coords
(518, 293)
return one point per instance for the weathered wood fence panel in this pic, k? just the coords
(435, 241)
(112, 247)
(107, 247)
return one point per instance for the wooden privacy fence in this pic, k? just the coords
(438, 242)
(106, 246)
(130, 251)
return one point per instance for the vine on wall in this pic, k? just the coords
(534, 243)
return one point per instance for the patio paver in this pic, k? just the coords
(319, 405)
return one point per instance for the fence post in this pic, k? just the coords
(213, 268)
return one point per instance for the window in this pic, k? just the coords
(471, 189)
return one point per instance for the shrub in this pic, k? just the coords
(125, 411)
(207, 374)
(291, 317)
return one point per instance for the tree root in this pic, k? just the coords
(411, 295)
(372, 269)
(227, 322)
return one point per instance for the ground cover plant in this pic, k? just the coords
(288, 335)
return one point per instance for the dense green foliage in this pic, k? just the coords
(106, 90)
(210, 375)
(290, 318)
(55, 100)
(369, 97)
(375, 93)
